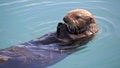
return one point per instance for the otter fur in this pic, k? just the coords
(78, 28)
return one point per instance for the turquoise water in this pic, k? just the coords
(23, 20)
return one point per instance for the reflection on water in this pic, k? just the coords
(23, 20)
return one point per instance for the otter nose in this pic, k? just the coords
(65, 20)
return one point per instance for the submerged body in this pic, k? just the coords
(52, 47)
(41, 52)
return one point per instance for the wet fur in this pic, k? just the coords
(80, 20)
(48, 49)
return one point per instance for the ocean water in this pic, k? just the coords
(24, 20)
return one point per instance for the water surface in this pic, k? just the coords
(23, 20)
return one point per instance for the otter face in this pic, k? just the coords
(78, 20)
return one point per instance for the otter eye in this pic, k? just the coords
(77, 17)
(89, 20)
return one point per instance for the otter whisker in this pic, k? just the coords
(69, 28)
(76, 28)
(74, 21)
(73, 29)
(77, 22)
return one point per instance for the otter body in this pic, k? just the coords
(52, 47)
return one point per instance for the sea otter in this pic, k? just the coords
(78, 28)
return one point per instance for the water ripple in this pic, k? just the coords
(26, 7)
(106, 27)
(43, 29)
(31, 5)
(13, 2)
(74, 2)
(40, 24)
(49, 22)
(30, 12)
(20, 11)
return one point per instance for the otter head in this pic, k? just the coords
(79, 21)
